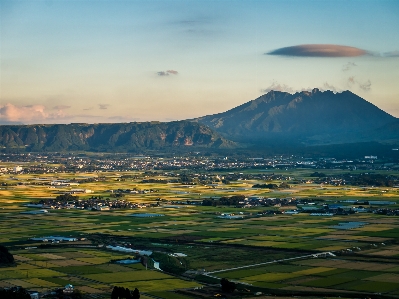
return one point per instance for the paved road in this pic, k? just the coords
(272, 262)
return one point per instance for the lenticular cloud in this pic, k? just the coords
(317, 50)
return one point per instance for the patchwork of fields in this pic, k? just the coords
(366, 258)
(314, 274)
(88, 270)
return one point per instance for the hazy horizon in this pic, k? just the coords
(122, 61)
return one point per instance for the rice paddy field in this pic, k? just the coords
(257, 248)
(88, 270)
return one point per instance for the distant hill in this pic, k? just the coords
(276, 120)
(111, 137)
(314, 117)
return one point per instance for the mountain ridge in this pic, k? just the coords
(301, 115)
(109, 137)
(281, 119)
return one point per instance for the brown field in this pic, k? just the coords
(90, 290)
(20, 258)
(65, 263)
(387, 277)
(51, 256)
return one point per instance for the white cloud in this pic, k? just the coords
(327, 86)
(10, 113)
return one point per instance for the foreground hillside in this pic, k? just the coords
(110, 137)
(311, 117)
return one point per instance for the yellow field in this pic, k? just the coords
(314, 271)
(41, 283)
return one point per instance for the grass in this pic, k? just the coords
(327, 282)
(94, 260)
(41, 282)
(371, 286)
(313, 271)
(127, 276)
(29, 273)
(271, 277)
(159, 285)
(168, 295)
(82, 270)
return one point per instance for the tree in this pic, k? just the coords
(122, 293)
(227, 286)
(117, 292)
(66, 197)
(136, 294)
(113, 293)
(264, 186)
(5, 256)
(14, 293)
(128, 294)
(284, 185)
(318, 175)
(76, 294)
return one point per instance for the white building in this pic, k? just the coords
(18, 168)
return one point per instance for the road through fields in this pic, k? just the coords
(271, 262)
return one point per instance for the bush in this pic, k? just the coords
(227, 286)
(5, 257)
(14, 293)
(169, 263)
(122, 293)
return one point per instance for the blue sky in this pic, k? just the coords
(117, 61)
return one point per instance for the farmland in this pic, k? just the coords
(265, 248)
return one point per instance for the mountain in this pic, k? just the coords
(276, 120)
(314, 117)
(111, 137)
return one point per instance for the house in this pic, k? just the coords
(102, 208)
(34, 295)
(75, 191)
(68, 289)
(18, 169)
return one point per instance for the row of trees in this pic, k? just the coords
(283, 185)
(122, 293)
(364, 179)
(227, 286)
(66, 197)
(14, 293)
(224, 201)
(378, 180)
(169, 263)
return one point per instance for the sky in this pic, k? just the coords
(122, 61)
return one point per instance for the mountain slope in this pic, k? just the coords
(105, 137)
(314, 115)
